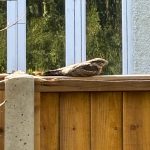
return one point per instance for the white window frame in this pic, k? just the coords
(16, 35)
(127, 47)
(75, 12)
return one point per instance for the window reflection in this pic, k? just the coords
(45, 34)
(104, 32)
(3, 36)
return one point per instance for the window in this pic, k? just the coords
(47, 30)
(45, 34)
(104, 36)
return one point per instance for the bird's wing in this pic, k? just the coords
(84, 70)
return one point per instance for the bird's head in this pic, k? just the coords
(99, 61)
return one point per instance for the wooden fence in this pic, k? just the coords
(98, 113)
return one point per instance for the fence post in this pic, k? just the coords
(19, 112)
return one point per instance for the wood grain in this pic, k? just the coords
(96, 83)
(1, 121)
(37, 121)
(80, 121)
(136, 110)
(49, 121)
(74, 121)
(106, 121)
(100, 83)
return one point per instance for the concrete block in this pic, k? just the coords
(19, 112)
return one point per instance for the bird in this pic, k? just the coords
(84, 69)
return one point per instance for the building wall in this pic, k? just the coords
(140, 36)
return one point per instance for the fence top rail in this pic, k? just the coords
(96, 83)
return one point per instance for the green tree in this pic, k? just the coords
(2, 37)
(46, 30)
(104, 32)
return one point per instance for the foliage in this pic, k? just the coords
(2, 37)
(46, 31)
(104, 32)
(46, 34)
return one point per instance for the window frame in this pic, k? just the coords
(127, 47)
(16, 35)
(75, 16)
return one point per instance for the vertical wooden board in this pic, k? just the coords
(49, 121)
(37, 121)
(74, 121)
(1, 121)
(106, 121)
(136, 120)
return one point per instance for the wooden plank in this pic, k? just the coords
(106, 121)
(2, 85)
(136, 119)
(49, 121)
(2, 76)
(99, 77)
(96, 83)
(74, 121)
(1, 121)
(99, 83)
(37, 121)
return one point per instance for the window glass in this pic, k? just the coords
(45, 34)
(3, 33)
(104, 33)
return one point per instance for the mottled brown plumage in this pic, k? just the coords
(88, 68)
